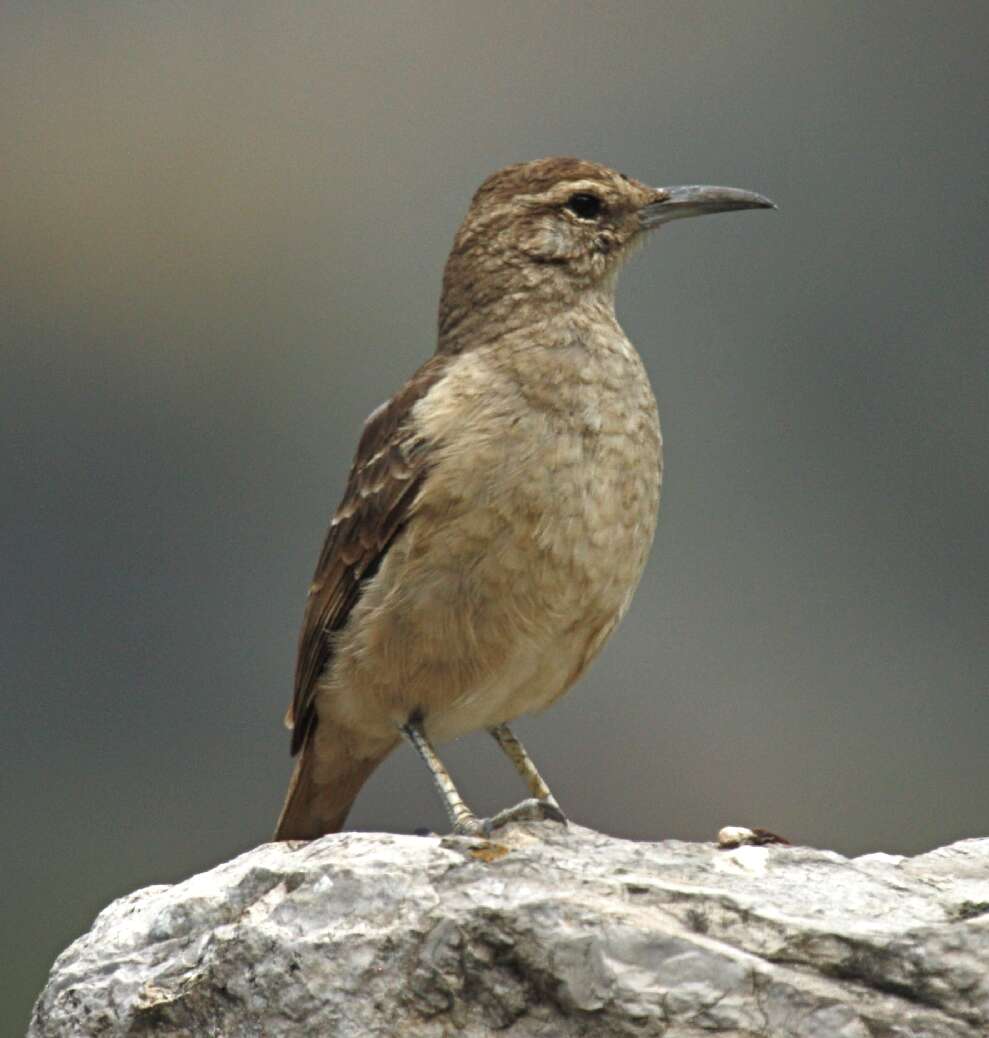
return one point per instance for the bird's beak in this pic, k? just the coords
(674, 203)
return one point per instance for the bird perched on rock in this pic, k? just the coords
(501, 505)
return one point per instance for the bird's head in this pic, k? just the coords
(547, 232)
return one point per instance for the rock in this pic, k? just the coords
(543, 931)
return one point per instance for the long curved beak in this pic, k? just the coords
(675, 203)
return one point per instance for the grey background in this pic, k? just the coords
(222, 229)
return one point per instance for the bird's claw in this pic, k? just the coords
(531, 810)
(471, 825)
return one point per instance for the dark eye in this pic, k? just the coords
(585, 205)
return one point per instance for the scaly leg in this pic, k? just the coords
(544, 804)
(462, 818)
(541, 807)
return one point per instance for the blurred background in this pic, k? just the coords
(222, 230)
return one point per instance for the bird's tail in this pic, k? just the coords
(321, 791)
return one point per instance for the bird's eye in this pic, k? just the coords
(584, 205)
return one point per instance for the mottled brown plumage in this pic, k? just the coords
(501, 505)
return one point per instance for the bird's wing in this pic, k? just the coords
(388, 470)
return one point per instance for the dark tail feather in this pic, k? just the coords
(320, 794)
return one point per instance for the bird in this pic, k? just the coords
(501, 505)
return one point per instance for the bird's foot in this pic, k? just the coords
(531, 810)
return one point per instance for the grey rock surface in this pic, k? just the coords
(543, 931)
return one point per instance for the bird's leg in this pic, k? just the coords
(462, 818)
(516, 753)
(543, 805)
(540, 807)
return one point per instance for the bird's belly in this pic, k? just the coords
(527, 680)
(503, 587)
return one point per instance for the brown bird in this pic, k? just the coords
(501, 505)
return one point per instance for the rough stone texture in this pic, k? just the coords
(542, 932)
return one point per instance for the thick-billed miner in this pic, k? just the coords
(501, 505)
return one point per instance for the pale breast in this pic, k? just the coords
(550, 487)
(524, 548)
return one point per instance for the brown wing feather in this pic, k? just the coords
(388, 470)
